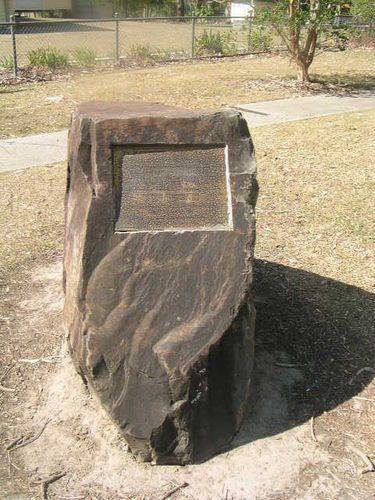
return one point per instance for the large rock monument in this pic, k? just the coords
(157, 272)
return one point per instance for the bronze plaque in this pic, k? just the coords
(166, 188)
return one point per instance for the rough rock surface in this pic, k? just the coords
(160, 323)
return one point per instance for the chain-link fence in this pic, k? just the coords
(130, 41)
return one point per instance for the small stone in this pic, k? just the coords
(54, 98)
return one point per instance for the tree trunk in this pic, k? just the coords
(181, 10)
(125, 8)
(303, 72)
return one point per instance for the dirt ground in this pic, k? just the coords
(309, 434)
(80, 440)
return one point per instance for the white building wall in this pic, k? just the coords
(241, 8)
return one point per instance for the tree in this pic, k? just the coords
(209, 7)
(299, 23)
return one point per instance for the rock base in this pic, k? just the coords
(158, 310)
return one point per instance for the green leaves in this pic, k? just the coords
(300, 23)
(297, 14)
(364, 10)
(49, 57)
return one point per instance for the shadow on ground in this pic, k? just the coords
(32, 26)
(314, 347)
(343, 84)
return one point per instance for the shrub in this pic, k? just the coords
(260, 39)
(141, 53)
(6, 63)
(364, 10)
(212, 8)
(341, 37)
(146, 54)
(49, 57)
(211, 43)
(362, 37)
(84, 57)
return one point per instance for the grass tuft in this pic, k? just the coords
(49, 57)
(84, 57)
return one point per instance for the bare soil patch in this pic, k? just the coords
(79, 441)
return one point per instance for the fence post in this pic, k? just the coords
(14, 46)
(249, 34)
(193, 36)
(117, 38)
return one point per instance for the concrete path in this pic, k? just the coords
(33, 151)
(300, 108)
(46, 149)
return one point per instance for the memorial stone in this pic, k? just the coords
(158, 259)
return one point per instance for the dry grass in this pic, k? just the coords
(317, 183)
(315, 248)
(30, 218)
(26, 109)
(315, 228)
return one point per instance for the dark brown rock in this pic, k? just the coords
(157, 272)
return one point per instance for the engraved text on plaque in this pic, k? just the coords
(171, 188)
